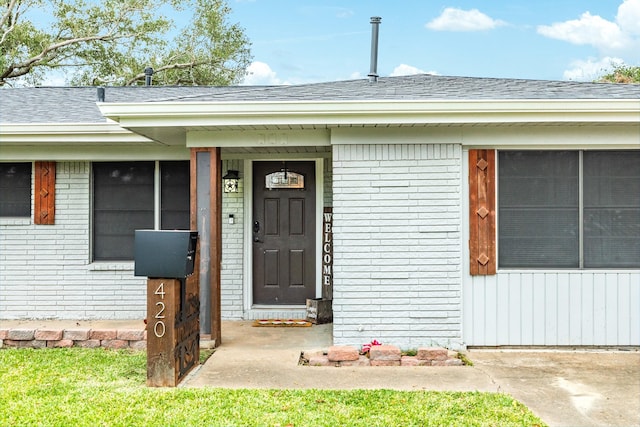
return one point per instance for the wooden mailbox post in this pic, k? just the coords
(167, 258)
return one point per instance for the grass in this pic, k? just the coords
(97, 387)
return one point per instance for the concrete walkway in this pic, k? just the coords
(564, 388)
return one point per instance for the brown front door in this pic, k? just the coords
(283, 225)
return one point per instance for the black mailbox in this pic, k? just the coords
(164, 253)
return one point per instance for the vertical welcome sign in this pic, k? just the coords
(327, 253)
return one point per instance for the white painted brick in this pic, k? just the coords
(397, 244)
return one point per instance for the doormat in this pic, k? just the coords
(282, 323)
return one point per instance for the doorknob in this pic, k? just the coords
(256, 230)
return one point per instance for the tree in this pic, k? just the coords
(622, 74)
(99, 42)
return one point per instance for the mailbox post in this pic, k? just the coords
(173, 313)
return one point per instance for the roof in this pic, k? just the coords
(78, 104)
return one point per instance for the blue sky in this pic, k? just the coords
(302, 41)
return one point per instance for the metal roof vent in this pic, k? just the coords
(373, 70)
(148, 73)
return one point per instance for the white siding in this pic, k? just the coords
(576, 308)
(397, 244)
(45, 270)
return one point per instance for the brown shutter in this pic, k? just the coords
(482, 212)
(45, 193)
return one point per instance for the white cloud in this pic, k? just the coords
(453, 19)
(598, 32)
(589, 29)
(260, 73)
(628, 17)
(408, 70)
(591, 69)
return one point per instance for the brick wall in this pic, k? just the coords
(45, 270)
(231, 275)
(397, 244)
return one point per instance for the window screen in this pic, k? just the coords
(123, 203)
(538, 209)
(15, 189)
(611, 209)
(174, 195)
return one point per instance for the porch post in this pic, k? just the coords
(206, 217)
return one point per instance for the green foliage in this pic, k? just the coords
(82, 387)
(113, 41)
(622, 74)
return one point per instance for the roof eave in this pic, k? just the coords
(69, 134)
(349, 113)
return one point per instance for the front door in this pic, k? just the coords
(283, 226)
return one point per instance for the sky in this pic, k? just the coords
(305, 41)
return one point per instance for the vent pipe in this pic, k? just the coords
(373, 70)
(100, 94)
(148, 73)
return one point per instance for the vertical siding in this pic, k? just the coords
(576, 308)
(397, 251)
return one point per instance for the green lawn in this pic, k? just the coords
(76, 387)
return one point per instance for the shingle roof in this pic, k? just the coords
(78, 104)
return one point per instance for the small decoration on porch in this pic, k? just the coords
(367, 347)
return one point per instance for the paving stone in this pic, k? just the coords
(433, 353)
(453, 362)
(76, 334)
(130, 334)
(413, 361)
(25, 343)
(115, 344)
(138, 345)
(103, 334)
(1, 343)
(321, 360)
(21, 334)
(4, 333)
(48, 334)
(385, 362)
(60, 344)
(385, 352)
(88, 343)
(308, 354)
(362, 361)
(338, 353)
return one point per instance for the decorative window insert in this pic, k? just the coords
(284, 179)
(124, 201)
(569, 209)
(15, 189)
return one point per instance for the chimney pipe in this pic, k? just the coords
(100, 94)
(148, 73)
(373, 70)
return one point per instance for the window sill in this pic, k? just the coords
(15, 221)
(112, 266)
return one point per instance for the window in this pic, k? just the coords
(174, 196)
(569, 209)
(124, 201)
(15, 189)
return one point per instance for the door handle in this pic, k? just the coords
(256, 230)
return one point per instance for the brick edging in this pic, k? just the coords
(381, 355)
(135, 339)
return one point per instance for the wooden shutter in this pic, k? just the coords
(482, 212)
(45, 193)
